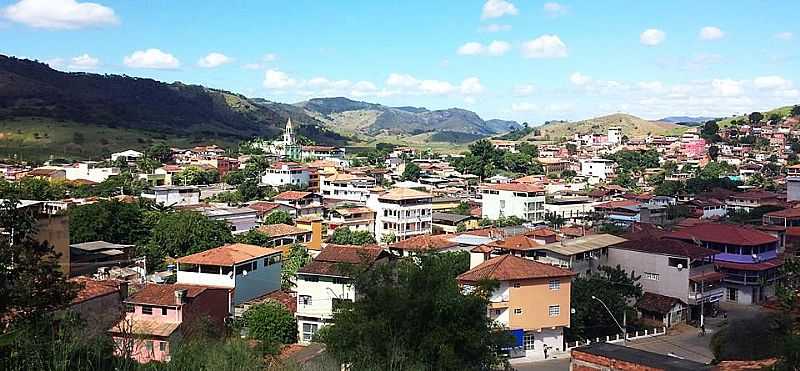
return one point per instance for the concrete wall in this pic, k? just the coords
(534, 298)
(671, 281)
(258, 282)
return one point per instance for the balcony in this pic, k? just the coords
(498, 304)
(708, 295)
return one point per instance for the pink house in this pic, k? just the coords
(694, 148)
(158, 315)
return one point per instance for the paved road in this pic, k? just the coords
(561, 364)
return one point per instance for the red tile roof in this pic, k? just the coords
(785, 213)
(510, 268)
(263, 206)
(278, 230)
(616, 204)
(332, 257)
(291, 195)
(519, 242)
(163, 294)
(731, 234)
(666, 247)
(754, 195)
(228, 255)
(91, 288)
(424, 243)
(514, 187)
(657, 303)
(761, 266)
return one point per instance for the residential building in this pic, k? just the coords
(89, 170)
(533, 299)
(597, 169)
(751, 199)
(284, 235)
(127, 156)
(674, 269)
(401, 212)
(748, 258)
(265, 208)
(574, 209)
(525, 201)
(159, 314)
(247, 271)
(286, 173)
(87, 257)
(322, 286)
(173, 195)
(448, 222)
(98, 302)
(424, 244)
(356, 218)
(239, 219)
(783, 218)
(346, 187)
(301, 203)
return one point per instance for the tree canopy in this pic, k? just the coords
(615, 288)
(271, 323)
(345, 236)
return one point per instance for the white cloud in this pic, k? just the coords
(55, 63)
(498, 48)
(435, 87)
(326, 84)
(651, 86)
(524, 90)
(554, 9)
(524, 107)
(151, 58)
(275, 79)
(498, 8)
(772, 83)
(83, 62)
(545, 46)
(214, 59)
(495, 27)
(398, 80)
(59, 14)
(363, 88)
(471, 48)
(471, 86)
(652, 37)
(269, 57)
(786, 36)
(495, 48)
(579, 79)
(711, 33)
(726, 88)
(251, 66)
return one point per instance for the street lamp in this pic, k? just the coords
(624, 321)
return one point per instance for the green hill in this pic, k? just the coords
(632, 126)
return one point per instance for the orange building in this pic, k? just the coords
(533, 301)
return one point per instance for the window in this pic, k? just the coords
(226, 270)
(163, 311)
(516, 285)
(309, 329)
(674, 262)
(305, 299)
(209, 269)
(162, 346)
(147, 310)
(149, 345)
(339, 281)
(528, 340)
(554, 310)
(652, 276)
(518, 311)
(498, 312)
(311, 278)
(129, 308)
(254, 265)
(555, 284)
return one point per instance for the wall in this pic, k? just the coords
(589, 362)
(206, 279)
(534, 298)
(54, 229)
(672, 282)
(258, 282)
(505, 203)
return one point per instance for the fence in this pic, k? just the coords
(658, 331)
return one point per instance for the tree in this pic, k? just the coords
(463, 208)
(235, 177)
(271, 323)
(194, 175)
(388, 238)
(669, 188)
(297, 258)
(709, 130)
(411, 171)
(713, 152)
(528, 149)
(345, 236)
(572, 148)
(554, 220)
(398, 322)
(795, 111)
(615, 287)
(279, 217)
(186, 232)
(254, 237)
(755, 117)
(159, 152)
(461, 227)
(249, 190)
(111, 221)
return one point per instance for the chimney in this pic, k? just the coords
(316, 235)
(180, 296)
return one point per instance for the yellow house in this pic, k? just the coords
(533, 300)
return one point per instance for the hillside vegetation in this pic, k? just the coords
(632, 126)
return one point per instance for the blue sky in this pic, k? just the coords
(515, 59)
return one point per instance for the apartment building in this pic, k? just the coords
(533, 300)
(322, 286)
(401, 212)
(357, 218)
(525, 201)
(286, 173)
(173, 195)
(346, 187)
(301, 203)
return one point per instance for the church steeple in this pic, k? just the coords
(288, 134)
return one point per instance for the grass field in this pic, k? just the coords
(781, 111)
(39, 139)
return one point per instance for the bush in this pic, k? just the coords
(271, 323)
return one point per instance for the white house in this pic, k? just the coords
(614, 135)
(173, 195)
(596, 169)
(86, 170)
(249, 271)
(346, 187)
(239, 219)
(129, 155)
(401, 212)
(322, 287)
(525, 201)
(286, 173)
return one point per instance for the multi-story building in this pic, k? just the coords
(247, 271)
(173, 195)
(752, 199)
(158, 314)
(532, 300)
(748, 258)
(346, 187)
(239, 219)
(672, 268)
(401, 212)
(286, 173)
(322, 286)
(301, 203)
(525, 201)
(358, 218)
(596, 169)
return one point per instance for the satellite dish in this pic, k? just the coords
(244, 272)
(680, 266)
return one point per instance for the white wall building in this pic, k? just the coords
(86, 170)
(173, 195)
(614, 135)
(596, 169)
(346, 187)
(401, 212)
(286, 173)
(129, 155)
(525, 201)
(249, 271)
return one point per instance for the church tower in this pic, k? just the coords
(291, 149)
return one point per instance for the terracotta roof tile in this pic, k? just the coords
(91, 288)
(333, 256)
(228, 255)
(657, 303)
(732, 234)
(666, 247)
(291, 195)
(163, 294)
(514, 187)
(424, 243)
(519, 242)
(404, 194)
(264, 206)
(278, 230)
(509, 268)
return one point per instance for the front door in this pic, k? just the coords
(732, 294)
